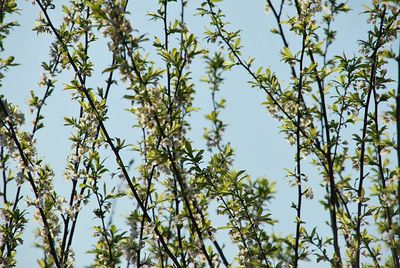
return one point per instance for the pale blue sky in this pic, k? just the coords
(260, 148)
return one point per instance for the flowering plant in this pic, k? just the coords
(342, 112)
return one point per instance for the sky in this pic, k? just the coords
(260, 149)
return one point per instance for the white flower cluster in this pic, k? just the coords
(130, 253)
(13, 115)
(148, 229)
(273, 110)
(311, 6)
(15, 119)
(247, 259)
(117, 27)
(308, 193)
(389, 236)
(53, 226)
(133, 231)
(87, 131)
(153, 116)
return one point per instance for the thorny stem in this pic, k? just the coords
(46, 95)
(327, 43)
(187, 204)
(199, 210)
(183, 187)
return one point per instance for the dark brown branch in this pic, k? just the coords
(106, 134)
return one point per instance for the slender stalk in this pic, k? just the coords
(170, 155)
(179, 226)
(382, 177)
(106, 134)
(398, 132)
(146, 200)
(371, 88)
(332, 184)
(64, 253)
(282, 34)
(74, 222)
(170, 109)
(27, 163)
(103, 225)
(316, 142)
(329, 163)
(4, 176)
(257, 238)
(298, 156)
(177, 201)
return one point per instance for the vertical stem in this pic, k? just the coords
(298, 157)
(64, 257)
(107, 136)
(4, 176)
(398, 126)
(382, 177)
(179, 226)
(328, 154)
(371, 88)
(103, 225)
(329, 161)
(396, 257)
(166, 41)
(27, 162)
